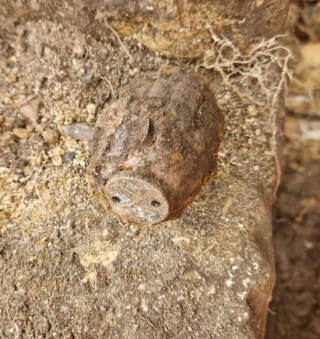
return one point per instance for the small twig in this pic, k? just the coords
(108, 82)
(146, 319)
(14, 107)
(272, 312)
(210, 247)
(124, 47)
(4, 153)
(36, 188)
(274, 148)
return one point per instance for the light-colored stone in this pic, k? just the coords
(79, 131)
(30, 111)
(21, 133)
(50, 136)
(91, 109)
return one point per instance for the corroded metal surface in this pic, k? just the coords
(155, 147)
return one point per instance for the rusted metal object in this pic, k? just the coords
(155, 147)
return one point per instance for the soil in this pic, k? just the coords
(58, 248)
(295, 308)
(69, 269)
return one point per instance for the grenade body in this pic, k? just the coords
(155, 147)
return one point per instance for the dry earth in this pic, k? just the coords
(58, 248)
(69, 269)
(295, 309)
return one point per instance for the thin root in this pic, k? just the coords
(251, 73)
(124, 47)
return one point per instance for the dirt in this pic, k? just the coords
(295, 309)
(68, 268)
(61, 259)
(45, 210)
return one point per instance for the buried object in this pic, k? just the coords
(155, 147)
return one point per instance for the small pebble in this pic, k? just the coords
(30, 111)
(55, 234)
(21, 133)
(79, 131)
(308, 245)
(102, 308)
(50, 136)
(252, 111)
(56, 161)
(69, 156)
(79, 51)
(91, 108)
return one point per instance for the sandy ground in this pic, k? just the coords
(47, 218)
(68, 268)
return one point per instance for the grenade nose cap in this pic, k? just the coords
(136, 200)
